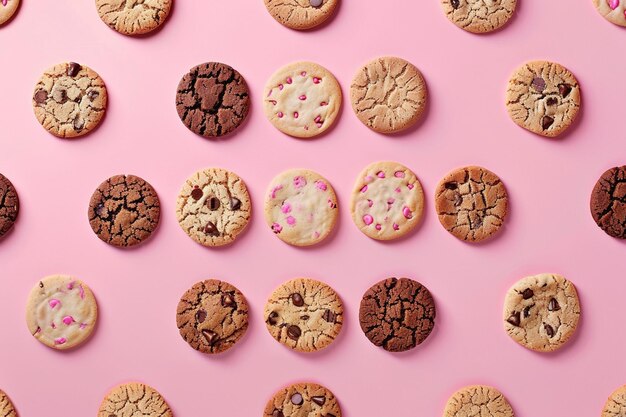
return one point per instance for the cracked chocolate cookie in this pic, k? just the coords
(124, 211)
(608, 202)
(212, 99)
(479, 16)
(301, 14)
(134, 399)
(70, 100)
(213, 207)
(304, 314)
(615, 405)
(388, 95)
(612, 10)
(6, 406)
(212, 316)
(387, 201)
(397, 314)
(478, 400)
(301, 207)
(472, 203)
(541, 312)
(134, 17)
(302, 99)
(61, 312)
(9, 205)
(305, 399)
(7, 10)
(543, 97)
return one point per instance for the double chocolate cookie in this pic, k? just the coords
(303, 400)
(608, 202)
(134, 399)
(9, 205)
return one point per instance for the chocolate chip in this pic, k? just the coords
(210, 336)
(40, 284)
(527, 310)
(41, 96)
(539, 84)
(316, 3)
(228, 300)
(549, 330)
(73, 69)
(93, 94)
(329, 415)
(210, 229)
(273, 318)
(99, 209)
(196, 193)
(455, 3)
(297, 300)
(213, 203)
(553, 305)
(546, 122)
(319, 400)
(305, 317)
(564, 90)
(235, 203)
(294, 332)
(451, 185)
(297, 399)
(201, 316)
(278, 413)
(514, 319)
(551, 101)
(527, 293)
(329, 316)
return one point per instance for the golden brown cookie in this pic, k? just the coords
(7, 10)
(612, 10)
(305, 399)
(134, 17)
(478, 400)
(615, 405)
(134, 399)
(6, 406)
(479, 16)
(301, 14)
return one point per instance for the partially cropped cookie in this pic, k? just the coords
(7, 10)
(304, 314)
(135, 17)
(305, 399)
(615, 405)
(479, 16)
(212, 316)
(302, 99)
(212, 99)
(472, 203)
(134, 399)
(61, 312)
(478, 400)
(301, 14)
(612, 10)
(213, 207)
(70, 100)
(301, 207)
(608, 202)
(543, 97)
(9, 205)
(397, 314)
(541, 312)
(6, 406)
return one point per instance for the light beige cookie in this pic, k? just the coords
(6, 406)
(301, 14)
(541, 312)
(70, 100)
(134, 399)
(61, 312)
(134, 17)
(8, 9)
(615, 405)
(479, 16)
(301, 207)
(304, 314)
(302, 99)
(612, 10)
(478, 401)
(387, 201)
(543, 97)
(388, 94)
(305, 399)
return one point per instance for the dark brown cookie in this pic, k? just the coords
(397, 314)
(212, 316)
(124, 210)
(9, 205)
(608, 202)
(212, 99)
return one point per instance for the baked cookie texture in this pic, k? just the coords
(612, 10)
(608, 202)
(6, 406)
(70, 100)
(304, 314)
(478, 401)
(9, 205)
(543, 97)
(301, 14)
(479, 16)
(541, 312)
(8, 9)
(133, 400)
(615, 405)
(304, 399)
(134, 17)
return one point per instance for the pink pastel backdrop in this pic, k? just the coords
(549, 228)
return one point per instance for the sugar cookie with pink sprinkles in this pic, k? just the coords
(301, 207)
(8, 9)
(612, 10)
(61, 312)
(387, 201)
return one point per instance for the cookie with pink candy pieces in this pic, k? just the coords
(7, 10)
(61, 312)
(387, 201)
(612, 10)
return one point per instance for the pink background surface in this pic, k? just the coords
(549, 228)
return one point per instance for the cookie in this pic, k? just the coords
(541, 312)
(6, 406)
(305, 399)
(302, 99)
(615, 405)
(471, 203)
(478, 400)
(212, 316)
(70, 100)
(387, 201)
(301, 14)
(134, 399)
(304, 314)
(213, 207)
(124, 211)
(543, 97)
(301, 207)
(612, 10)
(479, 16)
(134, 17)
(608, 202)
(9, 205)
(7, 10)
(212, 99)
(61, 312)
(397, 314)
(388, 95)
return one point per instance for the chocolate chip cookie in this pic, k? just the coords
(212, 316)
(612, 10)
(9, 205)
(478, 400)
(134, 399)
(541, 312)
(7, 10)
(608, 202)
(472, 203)
(301, 14)
(615, 405)
(213, 207)
(6, 406)
(70, 100)
(134, 17)
(304, 314)
(479, 16)
(212, 99)
(305, 399)
(543, 97)
(124, 211)
(397, 314)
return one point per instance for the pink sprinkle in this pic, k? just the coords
(407, 213)
(286, 208)
(380, 174)
(68, 320)
(54, 326)
(318, 119)
(397, 190)
(399, 174)
(370, 203)
(299, 181)
(302, 97)
(4, 2)
(270, 93)
(83, 325)
(280, 86)
(291, 220)
(331, 204)
(280, 114)
(54, 302)
(303, 73)
(410, 186)
(323, 103)
(319, 125)
(378, 226)
(70, 286)
(396, 227)
(275, 190)
(391, 201)
(295, 115)
(277, 228)
(367, 219)
(316, 80)
(273, 102)
(613, 4)
(60, 341)
(289, 80)
(81, 291)
(321, 185)
(364, 189)
(316, 234)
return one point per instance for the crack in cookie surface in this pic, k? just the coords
(301, 14)
(615, 405)
(608, 202)
(133, 400)
(6, 406)
(479, 16)
(304, 399)
(9, 205)
(478, 400)
(134, 17)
